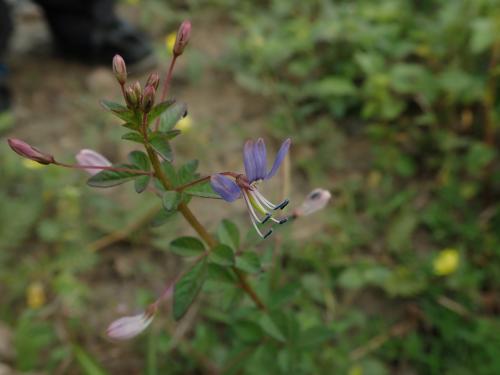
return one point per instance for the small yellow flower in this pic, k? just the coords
(170, 41)
(35, 295)
(31, 164)
(184, 124)
(446, 262)
(356, 370)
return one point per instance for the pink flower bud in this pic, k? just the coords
(316, 200)
(120, 69)
(148, 99)
(153, 80)
(129, 326)
(131, 98)
(29, 152)
(136, 87)
(182, 38)
(87, 157)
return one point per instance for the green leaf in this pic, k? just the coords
(188, 287)
(133, 136)
(284, 294)
(139, 159)
(270, 326)
(228, 234)
(162, 217)
(171, 200)
(187, 172)
(187, 246)
(222, 255)
(141, 183)
(109, 178)
(248, 262)
(88, 365)
(160, 144)
(315, 336)
(221, 274)
(171, 116)
(171, 134)
(247, 331)
(159, 109)
(203, 190)
(121, 112)
(131, 126)
(169, 170)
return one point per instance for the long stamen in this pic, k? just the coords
(256, 201)
(252, 204)
(254, 218)
(279, 206)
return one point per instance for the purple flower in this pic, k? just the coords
(255, 160)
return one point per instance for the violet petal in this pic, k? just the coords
(249, 160)
(279, 157)
(260, 158)
(225, 187)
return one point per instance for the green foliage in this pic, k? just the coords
(187, 246)
(188, 287)
(391, 105)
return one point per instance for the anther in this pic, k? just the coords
(268, 234)
(282, 205)
(266, 218)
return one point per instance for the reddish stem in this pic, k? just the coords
(202, 179)
(166, 85)
(102, 167)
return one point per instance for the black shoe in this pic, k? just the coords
(118, 38)
(91, 32)
(6, 117)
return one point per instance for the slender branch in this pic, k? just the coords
(166, 86)
(200, 180)
(192, 183)
(123, 232)
(102, 167)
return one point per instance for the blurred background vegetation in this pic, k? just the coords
(392, 105)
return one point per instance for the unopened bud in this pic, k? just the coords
(182, 38)
(120, 69)
(131, 98)
(137, 90)
(148, 99)
(91, 158)
(29, 152)
(153, 80)
(315, 201)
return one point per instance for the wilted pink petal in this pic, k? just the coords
(129, 326)
(92, 158)
(315, 201)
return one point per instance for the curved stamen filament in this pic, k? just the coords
(254, 218)
(268, 204)
(255, 201)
